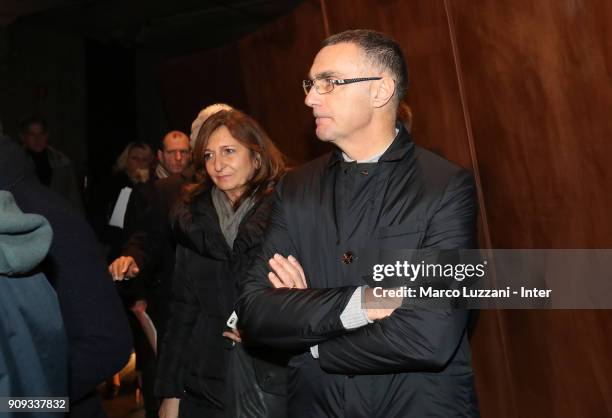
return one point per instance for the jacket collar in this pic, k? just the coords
(399, 148)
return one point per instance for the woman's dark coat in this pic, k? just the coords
(194, 354)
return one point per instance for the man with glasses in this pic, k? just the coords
(378, 190)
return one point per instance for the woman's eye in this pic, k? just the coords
(229, 151)
(207, 156)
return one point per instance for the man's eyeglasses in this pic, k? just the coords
(326, 85)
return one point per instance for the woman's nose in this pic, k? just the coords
(218, 164)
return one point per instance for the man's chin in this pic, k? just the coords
(324, 136)
(176, 169)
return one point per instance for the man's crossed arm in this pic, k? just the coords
(284, 313)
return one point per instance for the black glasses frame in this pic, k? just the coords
(333, 82)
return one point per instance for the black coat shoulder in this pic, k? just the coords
(437, 169)
(307, 173)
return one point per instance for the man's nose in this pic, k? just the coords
(178, 156)
(312, 98)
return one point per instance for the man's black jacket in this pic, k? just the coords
(414, 363)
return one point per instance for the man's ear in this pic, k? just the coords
(159, 155)
(383, 92)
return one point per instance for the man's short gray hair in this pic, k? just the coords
(381, 50)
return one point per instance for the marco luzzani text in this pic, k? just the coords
(411, 272)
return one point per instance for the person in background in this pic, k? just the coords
(218, 225)
(174, 159)
(173, 155)
(201, 118)
(133, 167)
(34, 348)
(143, 215)
(135, 163)
(53, 168)
(99, 338)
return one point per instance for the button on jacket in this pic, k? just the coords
(415, 363)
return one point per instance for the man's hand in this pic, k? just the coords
(379, 308)
(286, 273)
(123, 268)
(169, 408)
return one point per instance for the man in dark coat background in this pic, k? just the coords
(52, 167)
(305, 291)
(99, 339)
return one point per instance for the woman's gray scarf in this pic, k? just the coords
(229, 220)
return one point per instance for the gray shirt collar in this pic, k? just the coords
(373, 159)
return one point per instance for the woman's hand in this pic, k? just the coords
(169, 408)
